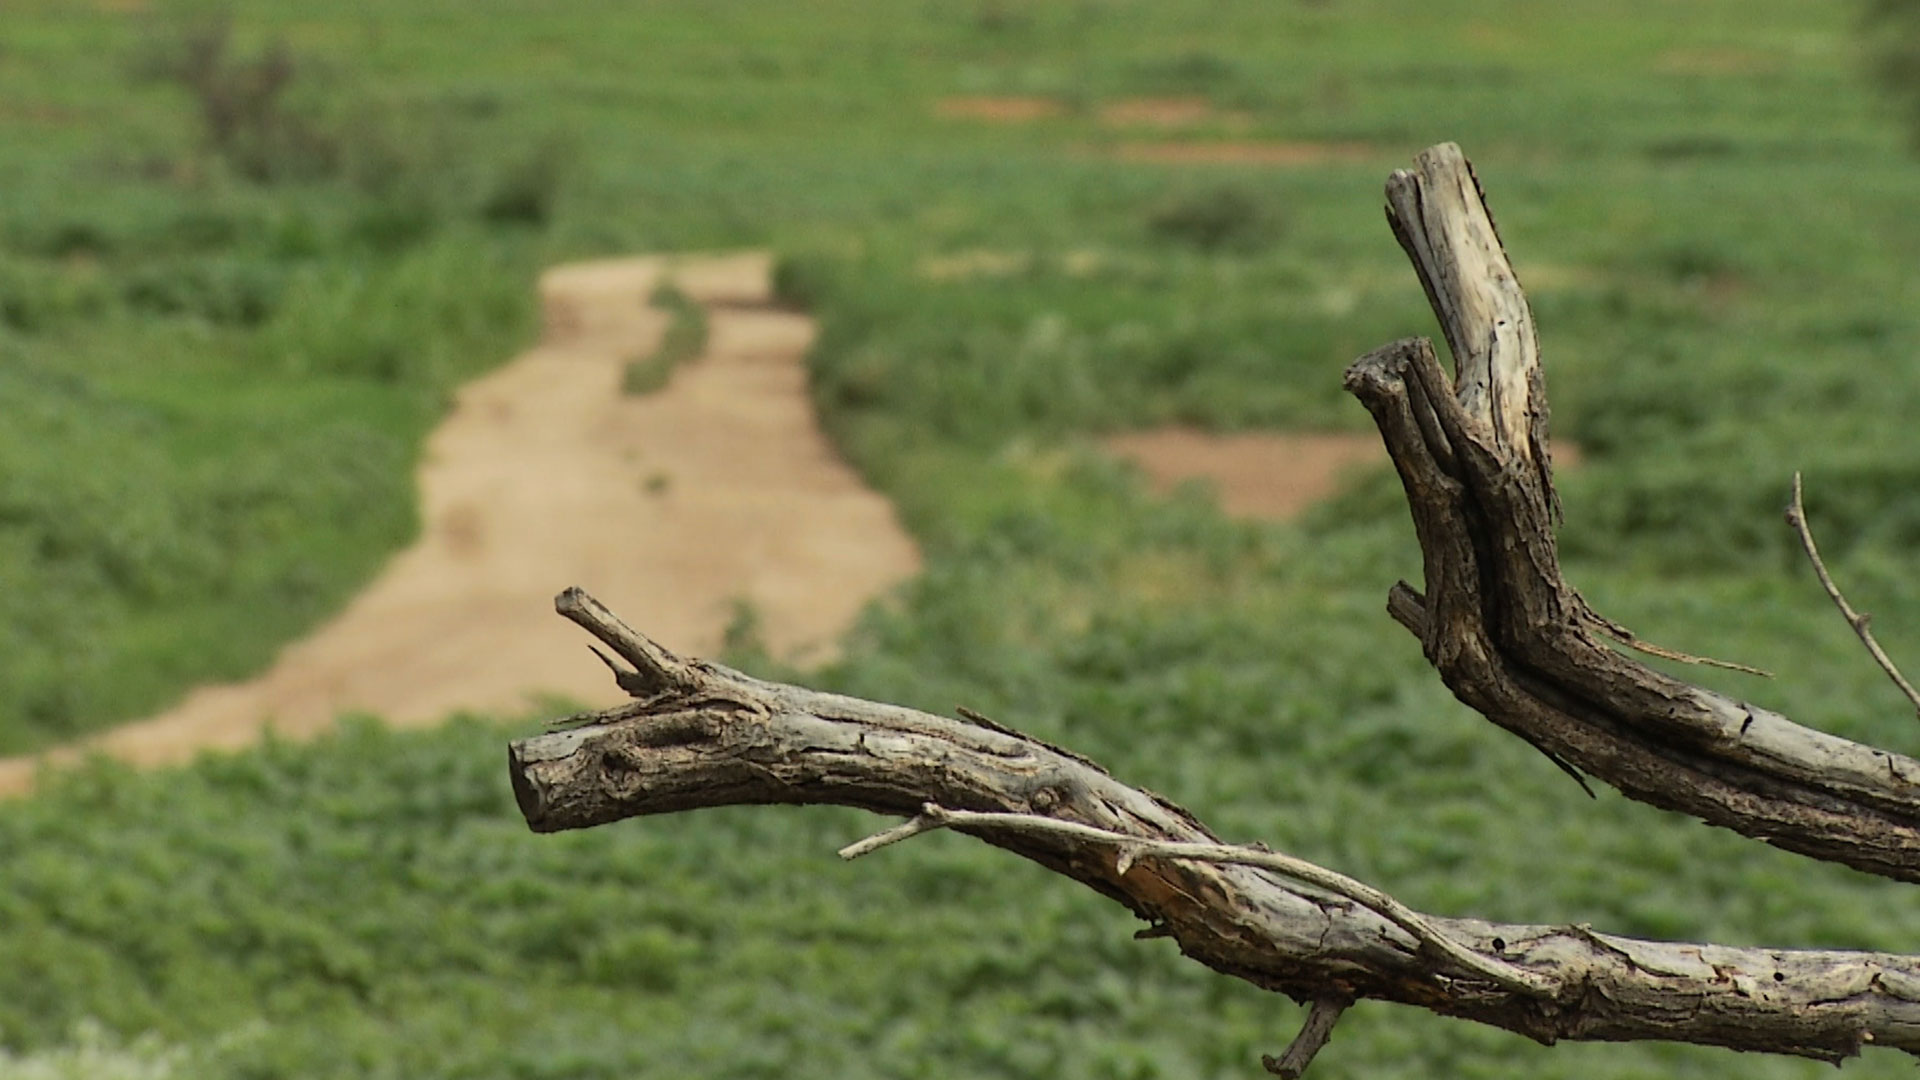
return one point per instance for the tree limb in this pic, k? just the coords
(1131, 848)
(1507, 633)
(1292, 1064)
(1859, 621)
(720, 738)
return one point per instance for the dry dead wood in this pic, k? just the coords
(700, 735)
(1505, 632)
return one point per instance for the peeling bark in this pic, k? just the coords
(1499, 624)
(1517, 643)
(704, 735)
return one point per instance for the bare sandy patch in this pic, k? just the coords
(1169, 114)
(1256, 474)
(998, 110)
(672, 508)
(1270, 475)
(1560, 277)
(1281, 153)
(977, 263)
(1716, 60)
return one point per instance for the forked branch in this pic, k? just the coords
(1859, 621)
(718, 738)
(1130, 849)
(1505, 632)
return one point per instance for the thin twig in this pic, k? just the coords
(1641, 645)
(655, 669)
(1133, 848)
(1634, 641)
(1797, 517)
(1292, 1063)
(906, 830)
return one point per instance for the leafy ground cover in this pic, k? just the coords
(216, 383)
(683, 340)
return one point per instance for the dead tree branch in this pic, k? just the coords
(720, 738)
(1505, 632)
(1130, 849)
(1513, 639)
(1292, 1064)
(1859, 621)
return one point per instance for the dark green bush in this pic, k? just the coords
(1891, 29)
(684, 339)
(246, 112)
(1221, 218)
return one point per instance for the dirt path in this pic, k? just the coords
(1255, 474)
(1265, 474)
(671, 507)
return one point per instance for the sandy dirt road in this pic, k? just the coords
(1255, 474)
(670, 508)
(1274, 475)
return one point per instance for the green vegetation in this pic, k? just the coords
(219, 355)
(216, 379)
(1892, 31)
(684, 339)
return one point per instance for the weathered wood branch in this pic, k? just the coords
(1859, 621)
(716, 737)
(1507, 633)
(1321, 1018)
(1439, 214)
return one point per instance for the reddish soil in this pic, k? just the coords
(1255, 474)
(1269, 475)
(998, 110)
(1169, 113)
(671, 508)
(1245, 152)
(1716, 60)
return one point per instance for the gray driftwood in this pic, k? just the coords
(1505, 632)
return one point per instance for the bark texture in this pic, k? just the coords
(702, 735)
(1505, 632)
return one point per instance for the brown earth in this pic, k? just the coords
(1278, 152)
(673, 508)
(1165, 113)
(1716, 60)
(976, 263)
(1255, 474)
(998, 110)
(1270, 475)
(1169, 113)
(670, 508)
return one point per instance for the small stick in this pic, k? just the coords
(1637, 643)
(906, 830)
(1292, 1063)
(655, 669)
(1132, 848)
(1797, 517)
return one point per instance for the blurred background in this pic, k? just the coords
(247, 254)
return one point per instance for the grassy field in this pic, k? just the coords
(218, 360)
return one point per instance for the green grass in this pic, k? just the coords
(216, 388)
(684, 339)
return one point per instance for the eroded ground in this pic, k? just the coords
(674, 508)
